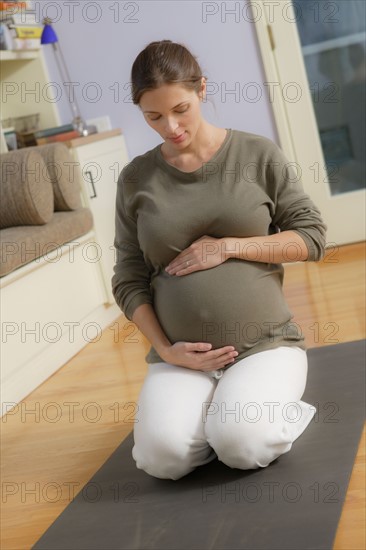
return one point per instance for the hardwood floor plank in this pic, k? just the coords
(60, 435)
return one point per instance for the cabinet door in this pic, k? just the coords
(100, 165)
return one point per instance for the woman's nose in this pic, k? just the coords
(171, 125)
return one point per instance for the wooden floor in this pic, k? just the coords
(66, 429)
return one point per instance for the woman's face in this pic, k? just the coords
(173, 112)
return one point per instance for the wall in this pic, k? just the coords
(219, 34)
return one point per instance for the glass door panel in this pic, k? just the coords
(332, 36)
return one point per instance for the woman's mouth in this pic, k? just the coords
(179, 138)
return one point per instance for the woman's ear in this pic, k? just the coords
(203, 89)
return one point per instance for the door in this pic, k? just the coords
(315, 52)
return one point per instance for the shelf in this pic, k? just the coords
(14, 55)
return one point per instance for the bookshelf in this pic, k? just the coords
(25, 87)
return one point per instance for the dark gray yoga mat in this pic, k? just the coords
(294, 503)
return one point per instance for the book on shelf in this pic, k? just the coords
(64, 137)
(20, 18)
(19, 29)
(6, 39)
(63, 133)
(23, 31)
(14, 6)
(26, 43)
(54, 131)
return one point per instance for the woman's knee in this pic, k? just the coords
(249, 447)
(164, 458)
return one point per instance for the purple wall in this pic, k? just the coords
(219, 34)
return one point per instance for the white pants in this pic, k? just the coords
(246, 418)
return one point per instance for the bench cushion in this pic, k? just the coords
(21, 245)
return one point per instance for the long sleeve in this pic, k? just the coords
(293, 208)
(131, 279)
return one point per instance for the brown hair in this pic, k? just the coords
(164, 62)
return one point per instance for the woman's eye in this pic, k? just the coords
(184, 110)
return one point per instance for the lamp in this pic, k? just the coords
(49, 37)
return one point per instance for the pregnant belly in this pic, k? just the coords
(236, 303)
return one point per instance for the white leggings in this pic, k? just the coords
(246, 418)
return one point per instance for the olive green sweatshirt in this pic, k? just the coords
(247, 189)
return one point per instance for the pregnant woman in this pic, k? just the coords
(204, 222)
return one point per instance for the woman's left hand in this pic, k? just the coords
(202, 254)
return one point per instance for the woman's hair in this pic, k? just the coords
(164, 62)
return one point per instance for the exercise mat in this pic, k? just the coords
(294, 503)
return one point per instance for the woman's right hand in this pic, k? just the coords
(199, 356)
(196, 356)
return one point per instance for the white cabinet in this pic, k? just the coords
(100, 163)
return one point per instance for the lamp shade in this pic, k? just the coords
(48, 34)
